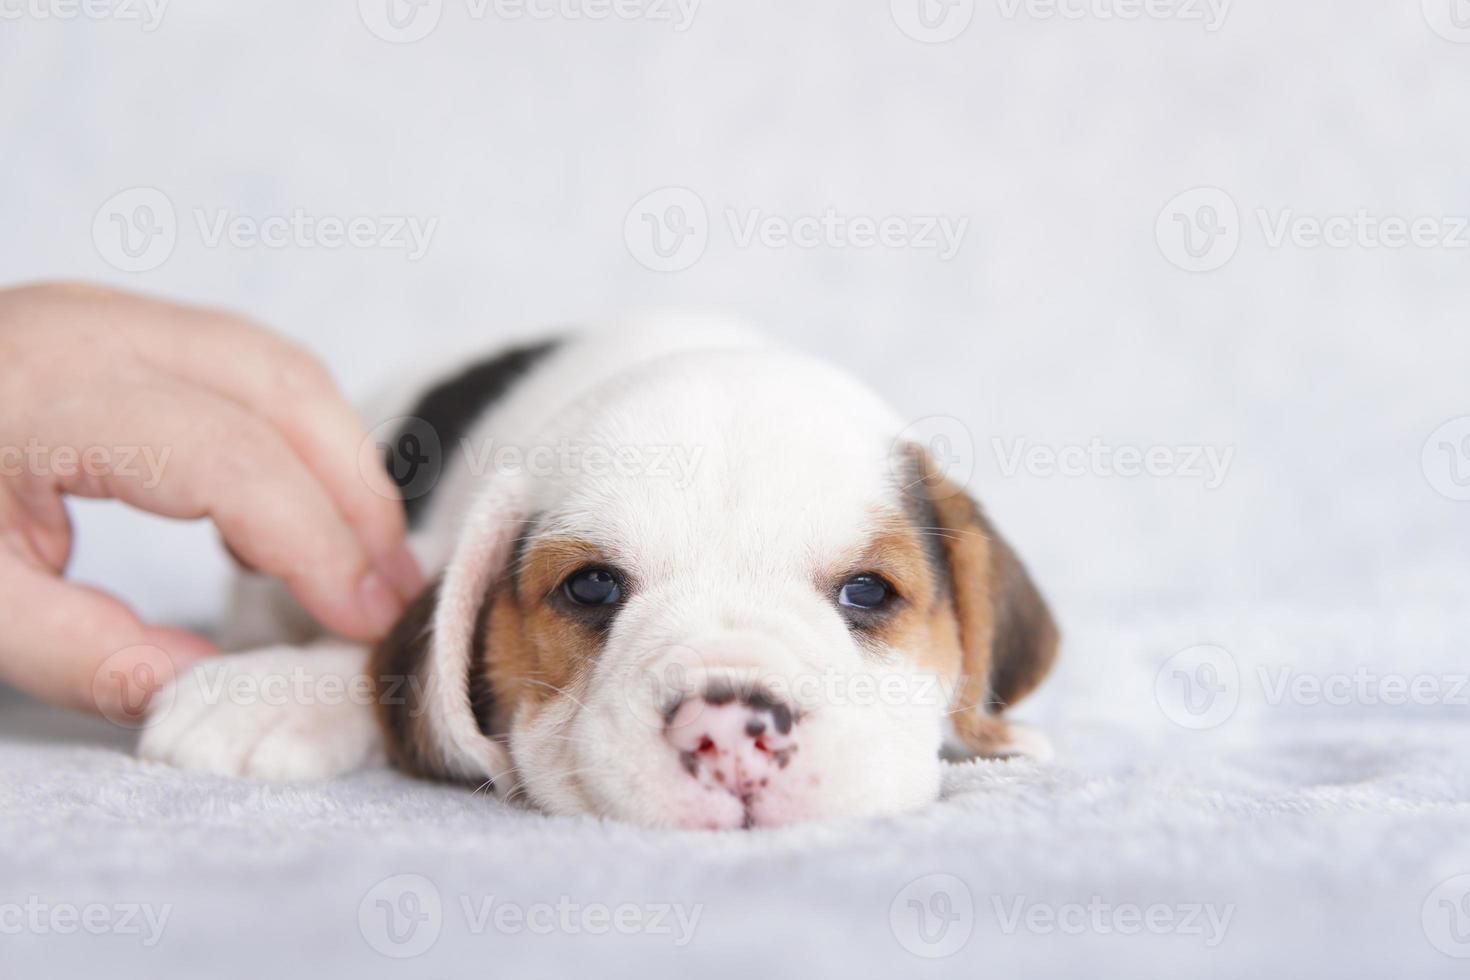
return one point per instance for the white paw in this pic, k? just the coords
(283, 713)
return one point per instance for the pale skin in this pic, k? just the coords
(242, 427)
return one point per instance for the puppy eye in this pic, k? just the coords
(864, 591)
(593, 587)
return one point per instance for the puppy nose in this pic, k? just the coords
(733, 740)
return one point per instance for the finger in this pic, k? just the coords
(34, 526)
(297, 395)
(96, 654)
(281, 383)
(204, 456)
(292, 390)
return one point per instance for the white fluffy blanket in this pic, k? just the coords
(1310, 844)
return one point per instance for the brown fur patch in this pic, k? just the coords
(534, 647)
(923, 621)
(1006, 632)
(526, 650)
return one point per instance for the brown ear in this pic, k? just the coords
(437, 723)
(1007, 634)
(402, 669)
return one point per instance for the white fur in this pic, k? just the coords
(281, 713)
(794, 473)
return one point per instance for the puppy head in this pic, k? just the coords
(755, 609)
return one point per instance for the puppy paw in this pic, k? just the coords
(281, 714)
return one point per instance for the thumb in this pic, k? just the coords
(78, 647)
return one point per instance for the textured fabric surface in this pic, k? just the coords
(1309, 848)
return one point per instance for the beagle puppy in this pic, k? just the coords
(683, 578)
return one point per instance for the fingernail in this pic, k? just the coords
(380, 606)
(401, 571)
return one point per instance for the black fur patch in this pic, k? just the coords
(449, 409)
(482, 696)
(401, 672)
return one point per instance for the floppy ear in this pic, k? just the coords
(434, 697)
(1007, 635)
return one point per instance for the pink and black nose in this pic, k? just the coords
(736, 740)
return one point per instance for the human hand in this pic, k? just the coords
(187, 413)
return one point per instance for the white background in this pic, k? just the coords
(1060, 318)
